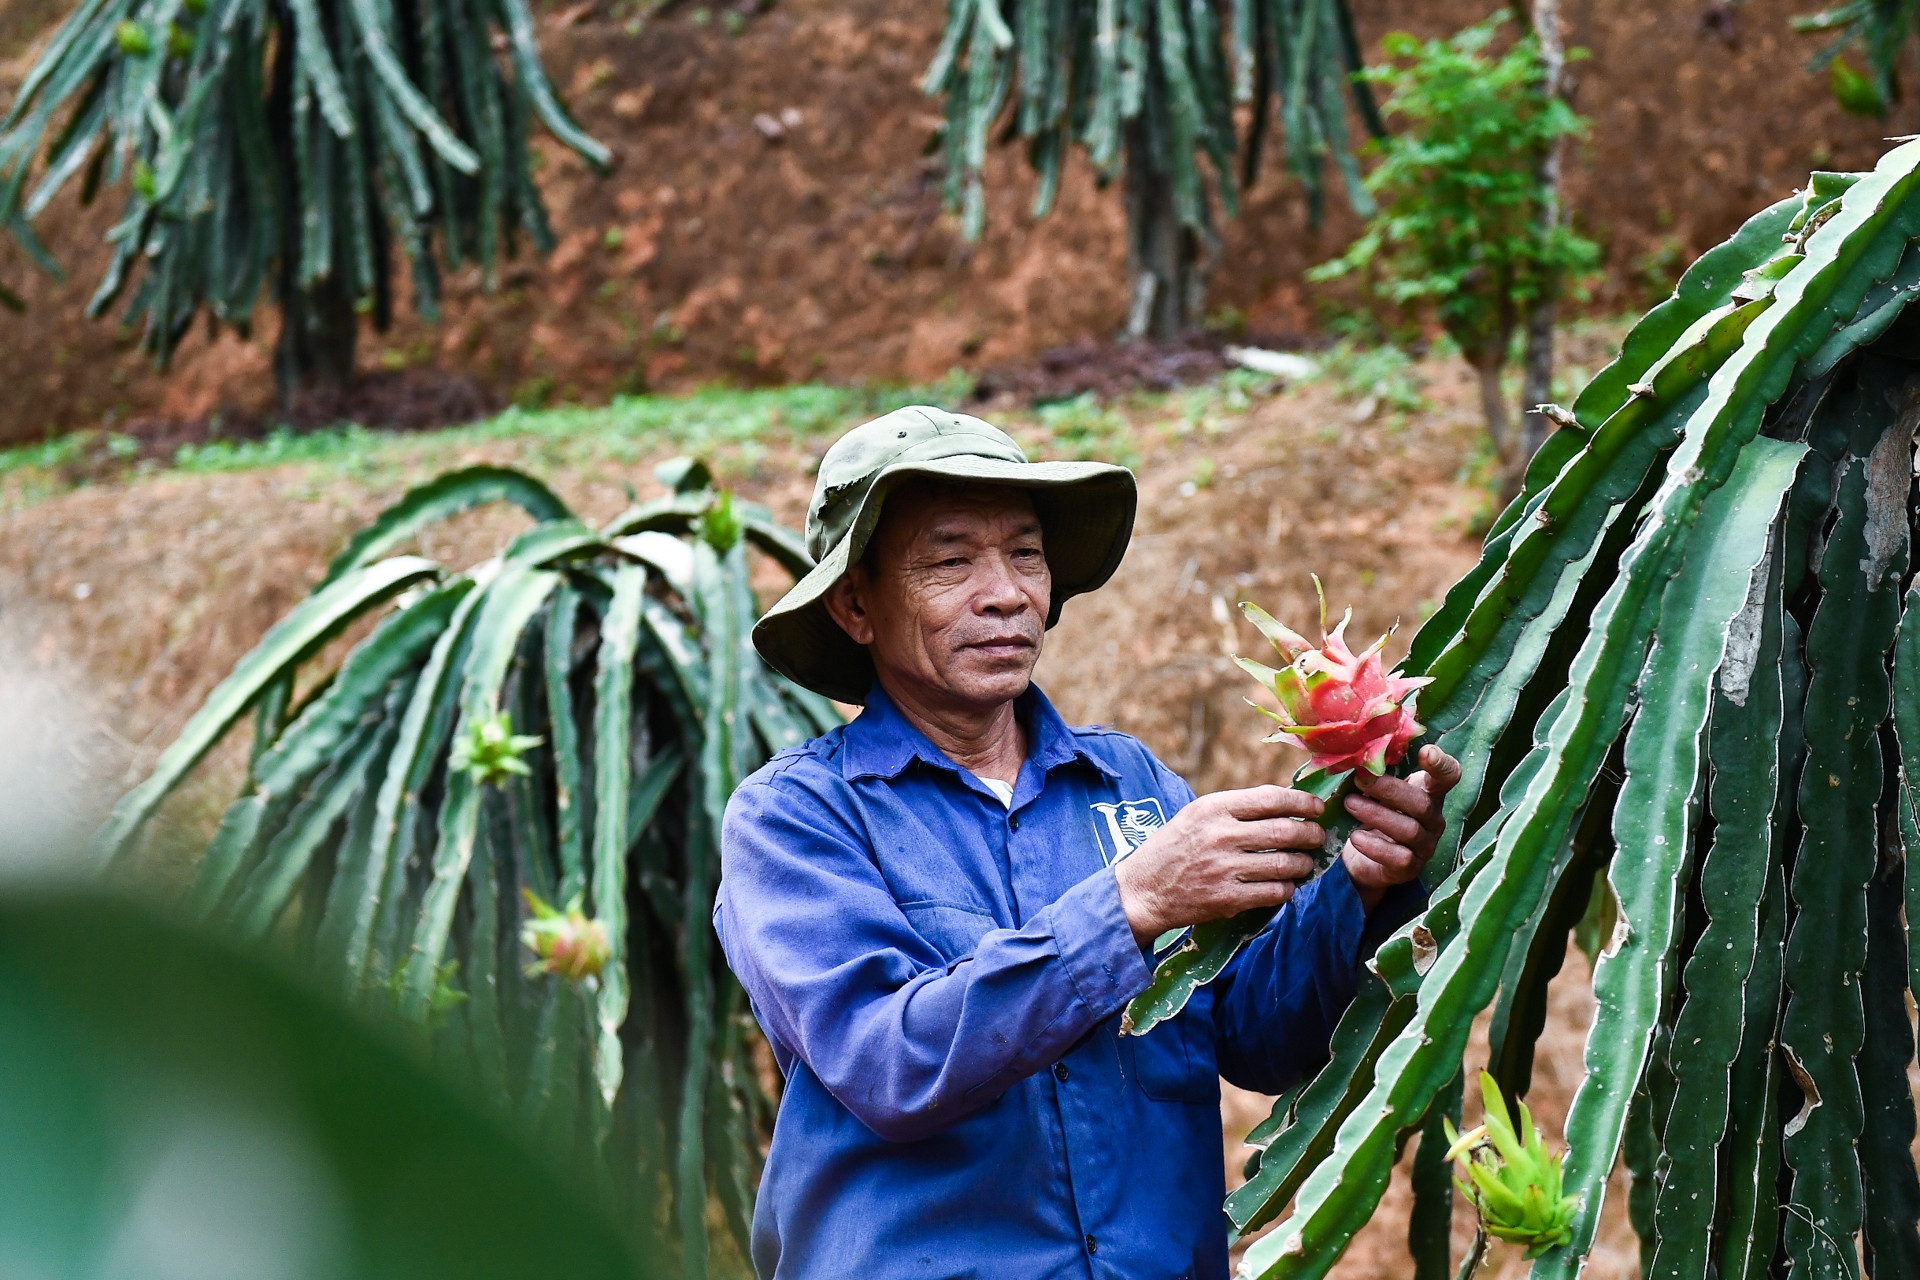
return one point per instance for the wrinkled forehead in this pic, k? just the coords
(932, 509)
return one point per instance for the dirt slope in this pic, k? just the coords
(715, 252)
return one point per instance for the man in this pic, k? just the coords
(941, 909)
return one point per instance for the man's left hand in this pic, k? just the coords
(1400, 824)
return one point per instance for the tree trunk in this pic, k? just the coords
(318, 330)
(1493, 403)
(1537, 384)
(1163, 257)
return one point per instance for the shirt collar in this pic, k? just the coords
(881, 742)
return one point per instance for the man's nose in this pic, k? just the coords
(1000, 593)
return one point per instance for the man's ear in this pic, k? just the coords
(847, 605)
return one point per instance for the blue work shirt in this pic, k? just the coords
(941, 978)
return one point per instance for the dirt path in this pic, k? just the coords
(137, 597)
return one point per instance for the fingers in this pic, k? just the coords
(1262, 893)
(1255, 803)
(1259, 867)
(1406, 796)
(1399, 863)
(1278, 833)
(1402, 827)
(1442, 771)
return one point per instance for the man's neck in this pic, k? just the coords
(990, 741)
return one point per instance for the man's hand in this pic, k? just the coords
(1400, 824)
(1223, 854)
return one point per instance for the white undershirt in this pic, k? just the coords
(1003, 790)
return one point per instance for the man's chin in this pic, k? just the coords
(991, 684)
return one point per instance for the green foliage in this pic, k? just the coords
(1878, 29)
(1460, 226)
(1381, 371)
(286, 147)
(1087, 72)
(1684, 685)
(393, 822)
(176, 1105)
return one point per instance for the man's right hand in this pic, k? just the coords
(1223, 854)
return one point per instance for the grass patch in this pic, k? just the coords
(730, 426)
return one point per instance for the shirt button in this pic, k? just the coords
(1093, 1246)
(1060, 1071)
(1014, 822)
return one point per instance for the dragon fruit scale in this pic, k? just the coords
(1338, 706)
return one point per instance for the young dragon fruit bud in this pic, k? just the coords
(1336, 705)
(1511, 1180)
(568, 942)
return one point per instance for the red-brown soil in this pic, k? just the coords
(716, 253)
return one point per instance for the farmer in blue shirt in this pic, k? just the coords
(941, 909)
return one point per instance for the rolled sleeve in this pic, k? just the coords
(1097, 945)
(908, 1040)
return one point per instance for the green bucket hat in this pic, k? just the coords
(1085, 508)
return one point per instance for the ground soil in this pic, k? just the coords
(129, 599)
(716, 251)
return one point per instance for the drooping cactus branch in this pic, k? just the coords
(1686, 692)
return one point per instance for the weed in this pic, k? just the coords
(1083, 428)
(1385, 373)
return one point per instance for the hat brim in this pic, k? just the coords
(1086, 511)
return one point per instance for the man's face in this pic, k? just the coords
(952, 598)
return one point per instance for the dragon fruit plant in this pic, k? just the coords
(1683, 683)
(561, 723)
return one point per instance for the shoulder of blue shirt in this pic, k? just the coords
(828, 745)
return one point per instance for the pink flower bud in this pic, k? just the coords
(569, 943)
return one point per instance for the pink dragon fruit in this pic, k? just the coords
(1335, 705)
(569, 943)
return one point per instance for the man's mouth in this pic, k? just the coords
(1001, 646)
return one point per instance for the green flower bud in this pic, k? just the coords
(1511, 1180)
(720, 527)
(490, 752)
(134, 40)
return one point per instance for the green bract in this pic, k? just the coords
(393, 819)
(1513, 1182)
(1684, 686)
(491, 751)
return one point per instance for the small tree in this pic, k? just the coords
(1148, 89)
(286, 145)
(1461, 226)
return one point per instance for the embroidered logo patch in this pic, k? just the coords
(1123, 826)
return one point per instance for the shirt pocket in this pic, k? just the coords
(1176, 1061)
(948, 927)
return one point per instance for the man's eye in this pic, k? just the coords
(954, 562)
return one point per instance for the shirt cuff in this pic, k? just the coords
(1096, 944)
(1399, 904)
